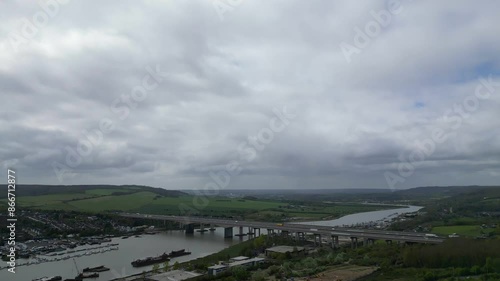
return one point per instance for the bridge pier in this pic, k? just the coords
(228, 232)
(389, 242)
(202, 228)
(255, 231)
(354, 242)
(335, 241)
(300, 236)
(240, 232)
(212, 228)
(270, 231)
(317, 239)
(251, 231)
(189, 228)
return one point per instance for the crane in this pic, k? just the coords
(77, 270)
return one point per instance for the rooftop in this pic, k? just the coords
(240, 258)
(247, 261)
(174, 275)
(217, 266)
(284, 249)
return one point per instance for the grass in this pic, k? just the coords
(49, 200)
(212, 206)
(463, 230)
(108, 203)
(121, 199)
(218, 203)
(102, 192)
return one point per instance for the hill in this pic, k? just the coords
(38, 190)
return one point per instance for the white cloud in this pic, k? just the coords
(223, 79)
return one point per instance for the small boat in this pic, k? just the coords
(53, 278)
(95, 269)
(83, 275)
(150, 260)
(174, 254)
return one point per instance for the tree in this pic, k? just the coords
(259, 276)
(165, 266)
(240, 273)
(176, 265)
(488, 266)
(156, 268)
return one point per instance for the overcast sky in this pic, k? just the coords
(334, 98)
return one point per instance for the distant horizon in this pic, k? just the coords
(258, 189)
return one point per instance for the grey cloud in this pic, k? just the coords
(224, 78)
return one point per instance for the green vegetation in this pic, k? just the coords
(462, 213)
(313, 211)
(111, 203)
(463, 230)
(49, 201)
(456, 258)
(108, 191)
(96, 199)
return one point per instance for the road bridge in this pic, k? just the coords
(367, 236)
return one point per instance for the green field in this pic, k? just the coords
(49, 201)
(100, 200)
(104, 191)
(138, 200)
(127, 202)
(463, 230)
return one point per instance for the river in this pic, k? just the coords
(128, 250)
(199, 244)
(366, 217)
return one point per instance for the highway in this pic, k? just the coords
(325, 231)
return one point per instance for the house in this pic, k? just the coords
(247, 262)
(237, 261)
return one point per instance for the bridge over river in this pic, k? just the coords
(332, 234)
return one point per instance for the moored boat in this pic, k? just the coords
(53, 278)
(174, 254)
(89, 275)
(151, 260)
(100, 268)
